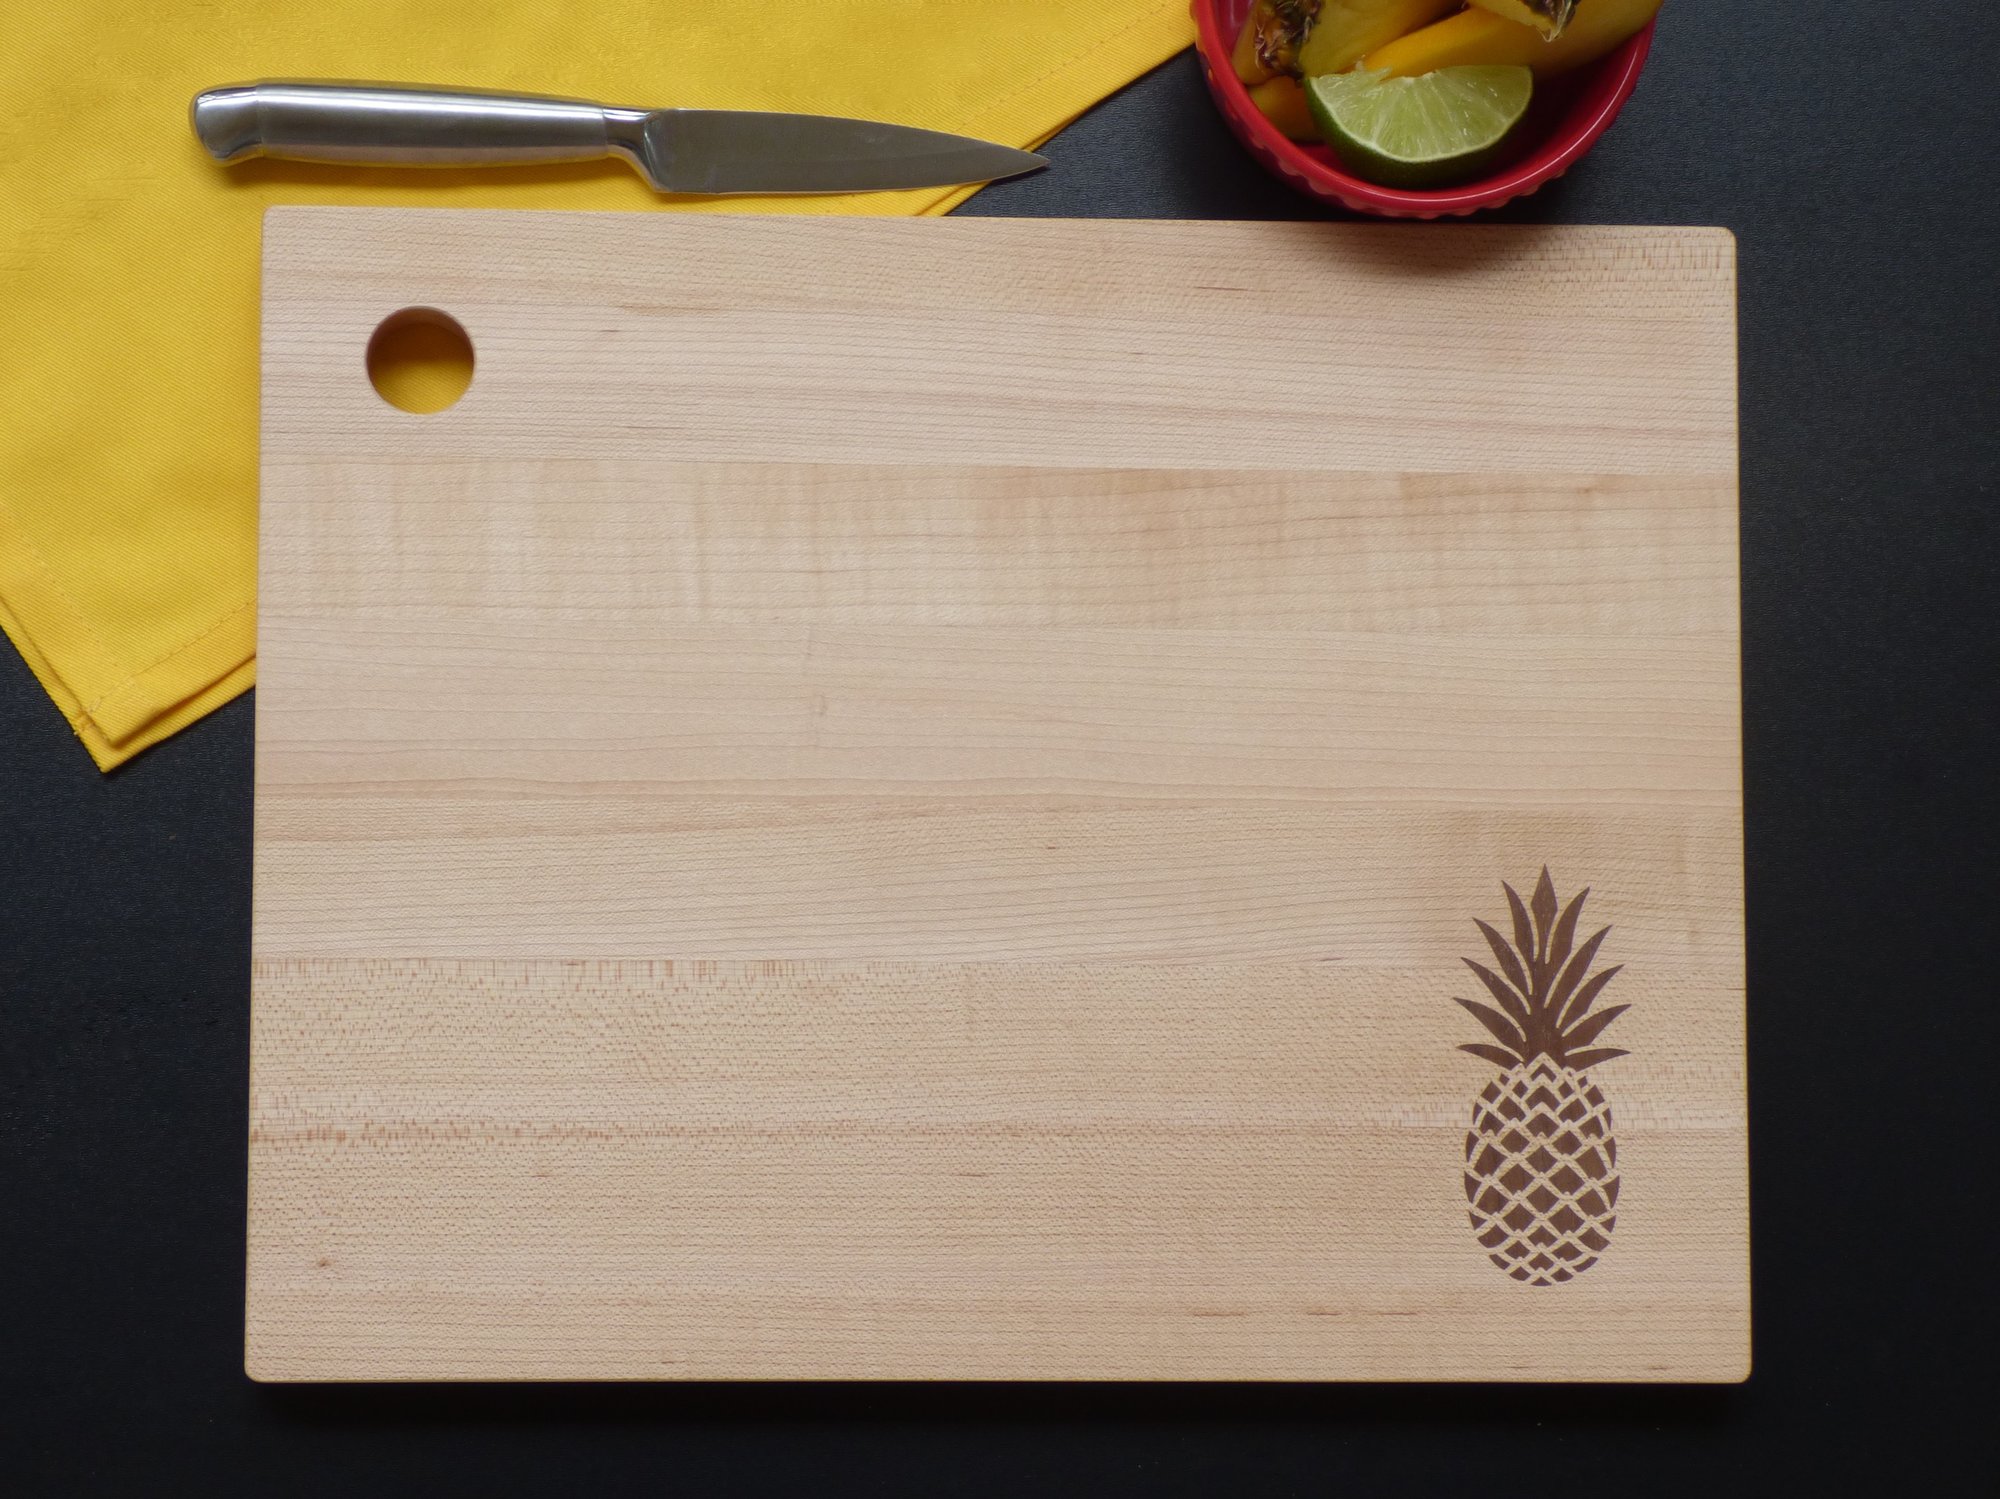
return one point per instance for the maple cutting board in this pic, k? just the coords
(912, 799)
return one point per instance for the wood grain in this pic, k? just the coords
(905, 800)
(951, 544)
(1000, 1171)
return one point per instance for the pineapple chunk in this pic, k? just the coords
(1474, 37)
(1268, 44)
(1284, 105)
(1549, 17)
(1348, 30)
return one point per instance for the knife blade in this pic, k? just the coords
(675, 150)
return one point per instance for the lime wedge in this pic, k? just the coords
(1428, 131)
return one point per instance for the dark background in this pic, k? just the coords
(1851, 145)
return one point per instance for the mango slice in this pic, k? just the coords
(1348, 30)
(1549, 17)
(1284, 105)
(1475, 37)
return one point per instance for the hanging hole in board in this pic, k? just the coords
(420, 360)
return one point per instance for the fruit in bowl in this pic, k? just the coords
(1432, 130)
(1422, 107)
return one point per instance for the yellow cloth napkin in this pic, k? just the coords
(129, 261)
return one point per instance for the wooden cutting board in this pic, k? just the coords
(912, 799)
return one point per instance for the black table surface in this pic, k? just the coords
(1851, 145)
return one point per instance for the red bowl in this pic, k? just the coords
(1566, 118)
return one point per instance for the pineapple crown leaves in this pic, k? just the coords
(1543, 986)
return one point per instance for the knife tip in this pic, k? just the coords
(1019, 163)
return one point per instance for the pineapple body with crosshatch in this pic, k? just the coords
(1541, 1158)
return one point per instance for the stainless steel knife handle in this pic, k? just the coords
(391, 124)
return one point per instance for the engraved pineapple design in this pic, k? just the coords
(1541, 1163)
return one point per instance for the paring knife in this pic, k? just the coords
(676, 150)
